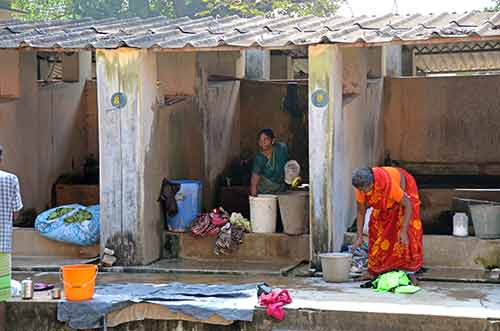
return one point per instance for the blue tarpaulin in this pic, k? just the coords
(231, 302)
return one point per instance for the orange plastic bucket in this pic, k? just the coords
(79, 281)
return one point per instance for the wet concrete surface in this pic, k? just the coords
(460, 275)
(436, 298)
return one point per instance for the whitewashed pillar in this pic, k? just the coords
(127, 93)
(325, 98)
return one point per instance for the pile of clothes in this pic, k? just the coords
(273, 300)
(230, 230)
(359, 258)
(274, 303)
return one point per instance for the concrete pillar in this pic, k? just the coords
(279, 66)
(325, 98)
(408, 62)
(84, 66)
(10, 79)
(393, 61)
(258, 64)
(77, 66)
(130, 172)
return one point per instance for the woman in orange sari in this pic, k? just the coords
(395, 228)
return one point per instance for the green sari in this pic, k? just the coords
(271, 171)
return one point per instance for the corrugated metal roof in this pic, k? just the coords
(208, 32)
(457, 57)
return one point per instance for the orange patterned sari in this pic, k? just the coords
(385, 252)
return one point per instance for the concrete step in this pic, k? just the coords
(28, 242)
(454, 252)
(256, 246)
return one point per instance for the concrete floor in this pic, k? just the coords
(438, 302)
(436, 298)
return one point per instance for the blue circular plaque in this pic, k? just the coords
(320, 98)
(119, 100)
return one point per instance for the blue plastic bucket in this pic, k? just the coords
(188, 200)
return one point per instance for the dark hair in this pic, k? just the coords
(268, 132)
(1, 152)
(362, 178)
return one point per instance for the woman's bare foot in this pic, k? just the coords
(365, 276)
(413, 279)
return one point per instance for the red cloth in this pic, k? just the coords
(274, 302)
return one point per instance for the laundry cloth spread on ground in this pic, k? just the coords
(396, 281)
(201, 301)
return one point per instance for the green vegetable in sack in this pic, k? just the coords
(79, 217)
(59, 212)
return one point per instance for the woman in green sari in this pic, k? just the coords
(268, 173)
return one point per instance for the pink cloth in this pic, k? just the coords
(274, 302)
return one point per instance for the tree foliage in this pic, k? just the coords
(58, 9)
(248, 8)
(55, 9)
(44, 9)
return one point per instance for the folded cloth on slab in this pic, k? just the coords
(394, 281)
(274, 303)
(201, 301)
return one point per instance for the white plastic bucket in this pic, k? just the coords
(460, 225)
(294, 209)
(263, 213)
(336, 266)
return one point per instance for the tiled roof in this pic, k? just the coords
(208, 32)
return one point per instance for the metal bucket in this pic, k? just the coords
(336, 266)
(486, 220)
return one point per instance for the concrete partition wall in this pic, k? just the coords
(358, 132)
(447, 123)
(43, 130)
(174, 124)
(345, 114)
(219, 105)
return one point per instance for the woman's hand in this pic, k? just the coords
(254, 184)
(358, 242)
(403, 237)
